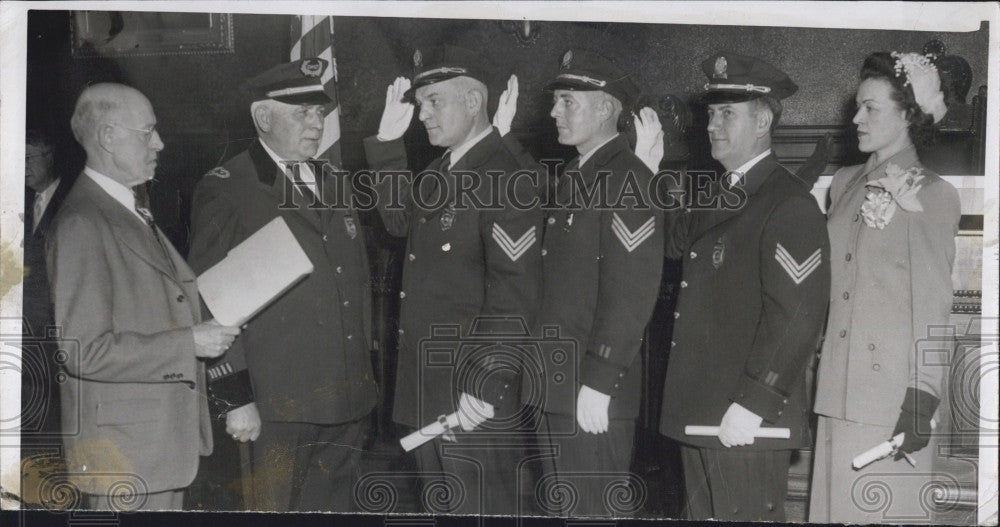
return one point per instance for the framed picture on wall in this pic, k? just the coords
(124, 34)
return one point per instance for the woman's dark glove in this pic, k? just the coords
(915, 420)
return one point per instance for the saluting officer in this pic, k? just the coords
(751, 307)
(298, 382)
(601, 273)
(463, 263)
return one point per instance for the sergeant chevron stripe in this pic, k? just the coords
(514, 249)
(630, 239)
(798, 271)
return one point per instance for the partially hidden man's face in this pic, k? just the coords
(577, 116)
(136, 141)
(37, 166)
(733, 130)
(295, 129)
(447, 112)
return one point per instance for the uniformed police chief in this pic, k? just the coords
(298, 383)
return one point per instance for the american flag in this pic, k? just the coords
(312, 36)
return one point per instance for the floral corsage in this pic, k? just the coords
(897, 189)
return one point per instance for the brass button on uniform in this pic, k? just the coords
(843, 333)
(694, 255)
(683, 284)
(871, 347)
(340, 269)
(676, 315)
(544, 252)
(876, 367)
(326, 238)
(848, 257)
(552, 220)
(180, 298)
(846, 295)
(402, 294)
(412, 257)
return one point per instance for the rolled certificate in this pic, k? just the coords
(767, 433)
(425, 434)
(882, 450)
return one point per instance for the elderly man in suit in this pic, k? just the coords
(465, 263)
(298, 382)
(753, 300)
(135, 384)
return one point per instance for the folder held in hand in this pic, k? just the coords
(253, 274)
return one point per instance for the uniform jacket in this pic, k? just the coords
(307, 354)
(602, 269)
(133, 404)
(750, 311)
(890, 288)
(462, 265)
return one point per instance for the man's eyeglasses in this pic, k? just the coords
(146, 135)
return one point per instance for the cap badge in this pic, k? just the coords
(418, 59)
(720, 68)
(567, 59)
(312, 68)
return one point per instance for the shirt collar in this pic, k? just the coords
(46, 195)
(462, 149)
(305, 169)
(737, 174)
(116, 190)
(585, 157)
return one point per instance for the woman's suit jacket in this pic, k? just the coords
(133, 402)
(890, 289)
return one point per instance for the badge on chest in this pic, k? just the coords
(718, 253)
(448, 218)
(351, 226)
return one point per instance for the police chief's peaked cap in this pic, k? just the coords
(582, 70)
(296, 82)
(447, 62)
(738, 78)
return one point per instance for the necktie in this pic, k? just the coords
(442, 169)
(37, 210)
(731, 179)
(142, 207)
(571, 166)
(445, 162)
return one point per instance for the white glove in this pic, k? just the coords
(592, 410)
(648, 138)
(397, 114)
(507, 107)
(738, 426)
(472, 412)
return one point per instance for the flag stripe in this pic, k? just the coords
(312, 36)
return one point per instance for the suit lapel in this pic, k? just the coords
(130, 230)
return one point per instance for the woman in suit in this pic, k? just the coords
(892, 225)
